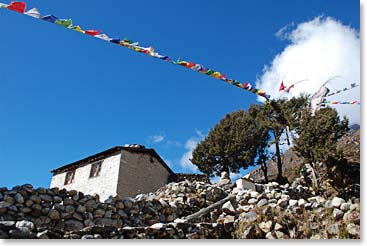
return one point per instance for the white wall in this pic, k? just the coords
(104, 185)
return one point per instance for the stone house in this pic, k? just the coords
(124, 171)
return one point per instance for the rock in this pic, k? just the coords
(262, 202)
(248, 217)
(345, 206)
(9, 199)
(99, 213)
(158, 226)
(293, 203)
(53, 214)
(353, 229)
(4, 205)
(333, 229)
(337, 202)
(81, 209)
(351, 217)
(25, 224)
(254, 194)
(68, 201)
(252, 232)
(73, 225)
(270, 236)
(21, 233)
(337, 214)
(91, 205)
(35, 199)
(301, 202)
(119, 205)
(128, 203)
(278, 227)
(87, 237)
(252, 201)
(69, 209)
(7, 225)
(282, 203)
(229, 219)
(266, 226)
(228, 208)
(280, 235)
(46, 198)
(19, 198)
(42, 235)
(328, 204)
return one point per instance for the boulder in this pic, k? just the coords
(337, 202)
(25, 224)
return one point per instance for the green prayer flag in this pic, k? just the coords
(64, 22)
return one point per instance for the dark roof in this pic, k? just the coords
(104, 154)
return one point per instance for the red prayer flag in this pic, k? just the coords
(17, 7)
(92, 32)
(282, 87)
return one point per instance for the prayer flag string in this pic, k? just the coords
(20, 7)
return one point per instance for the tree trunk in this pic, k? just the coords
(264, 168)
(279, 158)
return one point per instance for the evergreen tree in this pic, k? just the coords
(232, 144)
(319, 134)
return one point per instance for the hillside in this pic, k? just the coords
(350, 145)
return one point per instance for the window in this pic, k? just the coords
(95, 169)
(69, 177)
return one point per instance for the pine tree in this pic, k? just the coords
(232, 144)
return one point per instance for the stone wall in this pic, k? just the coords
(178, 177)
(140, 173)
(105, 184)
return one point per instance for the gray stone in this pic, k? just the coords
(333, 229)
(351, 217)
(42, 235)
(128, 203)
(248, 217)
(252, 201)
(53, 214)
(280, 235)
(99, 213)
(77, 216)
(345, 206)
(262, 202)
(21, 233)
(254, 194)
(158, 226)
(4, 204)
(337, 214)
(91, 205)
(119, 205)
(69, 209)
(301, 202)
(46, 198)
(68, 201)
(73, 225)
(278, 227)
(228, 208)
(353, 229)
(57, 199)
(81, 209)
(87, 237)
(337, 201)
(35, 199)
(7, 225)
(293, 203)
(25, 224)
(282, 203)
(270, 236)
(19, 198)
(266, 226)
(328, 204)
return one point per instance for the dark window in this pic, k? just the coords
(95, 169)
(69, 177)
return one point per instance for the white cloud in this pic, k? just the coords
(156, 138)
(190, 147)
(318, 49)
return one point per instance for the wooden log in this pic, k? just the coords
(208, 209)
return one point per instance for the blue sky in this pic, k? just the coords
(65, 95)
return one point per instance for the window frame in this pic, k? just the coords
(95, 173)
(68, 173)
